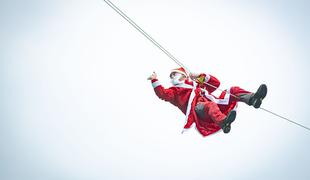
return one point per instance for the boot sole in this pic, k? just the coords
(227, 123)
(260, 95)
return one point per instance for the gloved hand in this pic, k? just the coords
(193, 76)
(153, 76)
(199, 77)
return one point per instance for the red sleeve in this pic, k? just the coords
(162, 93)
(211, 83)
(214, 82)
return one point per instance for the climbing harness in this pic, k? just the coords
(145, 34)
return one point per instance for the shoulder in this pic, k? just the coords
(188, 82)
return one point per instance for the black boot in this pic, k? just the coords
(254, 99)
(258, 97)
(226, 123)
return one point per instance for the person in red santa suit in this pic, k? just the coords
(194, 99)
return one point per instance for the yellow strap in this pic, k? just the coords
(201, 79)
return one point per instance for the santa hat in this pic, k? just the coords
(179, 70)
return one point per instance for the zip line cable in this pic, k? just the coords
(285, 118)
(150, 38)
(145, 34)
(137, 27)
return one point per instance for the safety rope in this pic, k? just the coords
(145, 34)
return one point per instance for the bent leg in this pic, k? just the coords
(211, 109)
(236, 92)
(250, 98)
(240, 95)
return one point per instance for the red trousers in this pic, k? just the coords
(218, 112)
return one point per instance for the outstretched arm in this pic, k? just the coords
(161, 92)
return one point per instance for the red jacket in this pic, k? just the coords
(181, 95)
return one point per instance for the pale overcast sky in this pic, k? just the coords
(75, 102)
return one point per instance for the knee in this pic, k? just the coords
(234, 89)
(199, 109)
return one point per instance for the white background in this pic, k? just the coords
(75, 102)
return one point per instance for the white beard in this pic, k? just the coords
(176, 80)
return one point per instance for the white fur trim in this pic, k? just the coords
(207, 78)
(223, 101)
(156, 84)
(178, 71)
(184, 85)
(189, 104)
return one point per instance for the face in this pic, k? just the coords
(175, 75)
(176, 78)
